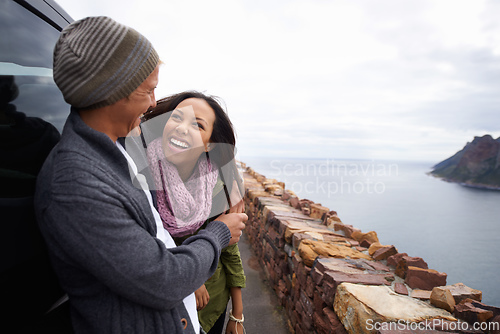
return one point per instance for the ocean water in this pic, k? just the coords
(455, 229)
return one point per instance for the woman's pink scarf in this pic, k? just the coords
(183, 207)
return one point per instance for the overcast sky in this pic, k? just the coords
(398, 80)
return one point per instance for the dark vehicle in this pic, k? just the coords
(32, 114)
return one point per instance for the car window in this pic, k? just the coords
(32, 109)
(26, 48)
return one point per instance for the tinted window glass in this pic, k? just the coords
(32, 109)
(26, 47)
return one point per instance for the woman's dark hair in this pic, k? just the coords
(223, 132)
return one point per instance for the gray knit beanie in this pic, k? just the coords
(98, 61)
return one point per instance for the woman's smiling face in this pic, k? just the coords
(187, 132)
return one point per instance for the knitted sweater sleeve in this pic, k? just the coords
(102, 240)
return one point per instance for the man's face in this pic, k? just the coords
(137, 103)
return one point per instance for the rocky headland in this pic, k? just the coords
(476, 165)
(331, 277)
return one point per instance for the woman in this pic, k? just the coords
(196, 179)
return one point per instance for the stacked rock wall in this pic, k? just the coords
(332, 278)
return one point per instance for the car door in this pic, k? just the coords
(32, 114)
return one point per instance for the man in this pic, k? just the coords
(100, 228)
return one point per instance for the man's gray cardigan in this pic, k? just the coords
(101, 236)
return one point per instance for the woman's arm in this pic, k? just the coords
(234, 327)
(202, 297)
(235, 281)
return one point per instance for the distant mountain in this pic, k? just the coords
(476, 165)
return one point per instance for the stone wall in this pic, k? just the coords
(333, 278)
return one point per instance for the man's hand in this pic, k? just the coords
(202, 297)
(236, 224)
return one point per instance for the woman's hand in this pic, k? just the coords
(202, 297)
(234, 328)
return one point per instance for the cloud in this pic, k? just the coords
(334, 79)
